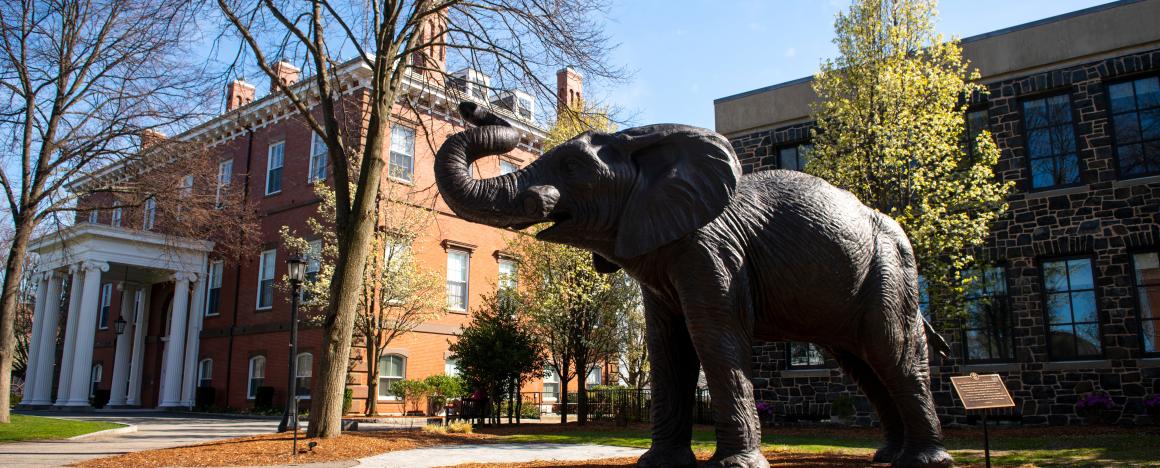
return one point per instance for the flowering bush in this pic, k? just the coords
(1152, 404)
(764, 411)
(1094, 402)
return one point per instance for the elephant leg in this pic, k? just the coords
(720, 325)
(879, 396)
(673, 377)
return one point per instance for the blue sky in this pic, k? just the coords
(687, 53)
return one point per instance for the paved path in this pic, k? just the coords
(154, 431)
(445, 455)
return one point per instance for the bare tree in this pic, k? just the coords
(79, 80)
(516, 42)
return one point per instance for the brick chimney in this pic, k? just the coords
(150, 137)
(286, 72)
(431, 61)
(238, 94)
(569, 88)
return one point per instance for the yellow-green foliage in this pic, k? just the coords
(435, 429)
(575, 120)
(891, 117)
(459, 427)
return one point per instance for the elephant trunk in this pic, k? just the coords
(503, 201)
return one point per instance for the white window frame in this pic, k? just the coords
(224, 178)
(251, 389)
(552, 380)
(451, 367)
(270, 167)
(594, 371)
(303, 372)
(105, 308)
(149, 214)
(96, 375)
(117, 214)
(205, 373)
(507, 279)
(402, 149)
(267, 263)
(318, 159)
(385, 380)
(216, 269)
(94, 216)
(466, 279)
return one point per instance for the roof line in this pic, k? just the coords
(977, 37)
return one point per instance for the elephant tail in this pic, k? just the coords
(936, 340)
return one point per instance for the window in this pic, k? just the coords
(794, 157)
(94, 216)
(266, 279)
(257, 376)
(213, 300)
(551, 385)
(395, 253)
(402, 164)
(1136, 125)
(804, 355)
(976, 123)
(1050, 141)
(205, 373)
(106, 299)
(224, 177)
(317, 159)
(593, 377)
(1147, 267)
(303, 370)
(506, 167)
(524, 107)
(987, 332)
(507, 273)
(97, 375)
(1071, 309)
(150, 213)
(116, 217)
(187, 186)
(392, 368)
(457, 261)
(274, 159)
(451, 367)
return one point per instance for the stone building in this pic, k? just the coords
(192, 319)
(1072, 301)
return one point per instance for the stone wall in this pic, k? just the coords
(1105, 218)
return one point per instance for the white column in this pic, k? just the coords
(140, 328)
(121, 357)
(68, 354)
(192, 342)
(78, 395)
(171, 383)
(32, 366)
(45, 346)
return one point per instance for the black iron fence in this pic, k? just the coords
(618, 405)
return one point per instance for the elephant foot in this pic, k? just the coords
(933, 456)
(887, 453)
(665, 457)
(750, 459)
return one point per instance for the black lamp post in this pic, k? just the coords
(119, 324)
(296, 270)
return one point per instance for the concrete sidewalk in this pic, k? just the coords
(450, 455)
(154, 431)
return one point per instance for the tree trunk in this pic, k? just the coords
(564, 395)
(13, 271)
(581, 393)
(372, 383)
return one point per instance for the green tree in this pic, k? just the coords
(498, 351)
(443, 387)
(890, 129)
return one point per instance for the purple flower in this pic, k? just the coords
(1153, 402)
(1095, 401)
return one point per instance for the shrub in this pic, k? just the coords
(443, 387)
(1094, 403)
(100, 398)
(347, 400)
(264, 398)
(528, 409)
(435, 429)
(764, 411)
(410, 391)
(459, 427)
(1152, 404)
(843, 407)
(204, 397)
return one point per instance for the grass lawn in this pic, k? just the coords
(1070, 446)
(25, 427)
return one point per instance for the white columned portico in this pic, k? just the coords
(86, 333)
(175, 347)
(117, 391)
(32, 365)
(140, 326)
(192, 341)
(68, 354)
(44, 343)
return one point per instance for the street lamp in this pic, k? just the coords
(119, 325)
(296, 271)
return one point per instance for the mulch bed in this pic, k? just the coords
(274, 449)
(776, 459)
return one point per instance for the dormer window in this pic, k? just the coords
(471, 82)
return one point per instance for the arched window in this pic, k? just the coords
(303, 370)
(98, 370)
(205, 373)
(392, 368)
(257, 376)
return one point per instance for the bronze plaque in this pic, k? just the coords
(982, 391)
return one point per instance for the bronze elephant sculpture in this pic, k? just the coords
(722, 258)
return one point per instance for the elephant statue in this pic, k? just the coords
(722, 258)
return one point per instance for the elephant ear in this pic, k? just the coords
(685, 177)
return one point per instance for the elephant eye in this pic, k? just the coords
(572, 166)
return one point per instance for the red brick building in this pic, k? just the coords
(194, 320)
